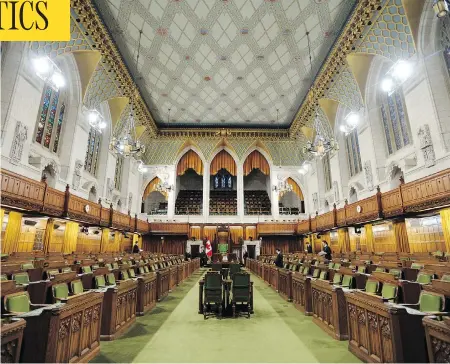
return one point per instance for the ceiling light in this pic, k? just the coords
(440, 8)
(352, 119)
(58, 80)
(42, 65)
(402, 70)
(387, 85)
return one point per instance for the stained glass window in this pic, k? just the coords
(445, 40)
(51, 109)
(118, 172)
(395, 121)
(92, 152)
(353, 153)
(327, 172)
(447, 58)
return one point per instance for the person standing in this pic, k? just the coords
(245, 258)
(279, 259)
(326, 250)
(309, 248)
(136, 248)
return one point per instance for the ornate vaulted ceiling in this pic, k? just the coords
(224, 63)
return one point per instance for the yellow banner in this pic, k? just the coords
(35, 20)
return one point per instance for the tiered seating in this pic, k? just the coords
(189, 202)
(223, 203)
(161, 209)
(256, 203)
(288, 210)
(391, 307)
(84, 298)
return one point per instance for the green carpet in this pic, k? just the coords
(173, 332)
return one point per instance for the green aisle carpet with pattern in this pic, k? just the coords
(174, 332)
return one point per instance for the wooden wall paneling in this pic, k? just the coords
(391, 203)
(83, 210)
(304, 227)
(365, 210)
(54, 202)
(277, 228)
(169, 228)
(425, 234)
(340, 217)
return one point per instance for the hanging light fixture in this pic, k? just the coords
(164, 187)
(49, 72)
(141, 167)
(282, 187)
(441, 8)
(318, 144)
(397, 75)
(351, 122)
(127, 143)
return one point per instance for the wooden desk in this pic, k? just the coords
(12, 335)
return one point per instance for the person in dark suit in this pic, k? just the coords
(309, 248)
(245, 258)
(326, 250)
(279, 259)
(136, 248)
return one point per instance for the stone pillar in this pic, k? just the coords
(206, 187)
(240, 191)
(172, 195)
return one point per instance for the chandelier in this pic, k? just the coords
(49, 72)
(282, 187)
(318, 144)
(163, 187)
(128, 144)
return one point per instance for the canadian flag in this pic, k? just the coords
(208, 249)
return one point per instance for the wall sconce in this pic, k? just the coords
(49, 72)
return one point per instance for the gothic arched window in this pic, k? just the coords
(118, 172)
(327, 171)
(395, 121)
(51, 119)
(92, 152)
(353, 154)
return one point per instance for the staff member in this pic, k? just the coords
(279, 260)
(326, 250)
(308, 248)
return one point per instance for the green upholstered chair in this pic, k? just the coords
(361, 269)
(337, 266)
(380, 269)
(397, 273)
(305, 271)
(347, 281)
(110, 279)
(424, 278)
(212, 293)
(234, 268)
(109, 266)
(52, 272)
(316, 263)
(294, 267)
(216, 267)
(26, 266)
(60, 292)
(141, 270)
(76, 287)
(95, 266)
(372, 286)
(66, 270)
(100, 281)
(115, 265)
(330, 265)
(389, 292)
(21, 278)
(337, 278)
(285, 265)
(131, 273)
(3, 277)
(17, 303)
(146, 270)
(432, 303)
(446, 278)
(125, 274)
(316, 273)
(240, 292)
(323, 275)
(86, 269)
(416, 266)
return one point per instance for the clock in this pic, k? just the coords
(87, 208)
(358, 209)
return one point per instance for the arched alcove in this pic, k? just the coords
(50, 174)
(93, 194)
(352, 195)
(256, 185)
(155, 202)
(292, 202)
(395, 177)
(223, 184)
(190, 170)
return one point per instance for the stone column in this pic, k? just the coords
(274, 196)
(172, 194)
(240, 191)
(206, 187)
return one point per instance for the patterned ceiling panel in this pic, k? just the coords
(207, 146)
(224, 63)
(346, 90)
(241, 146)
(162, 151)
(101, 88)
(390, 35)
(285, 153)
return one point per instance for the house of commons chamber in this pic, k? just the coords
(226, 181)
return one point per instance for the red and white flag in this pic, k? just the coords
(208, 249)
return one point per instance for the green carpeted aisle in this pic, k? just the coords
(174, 332)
